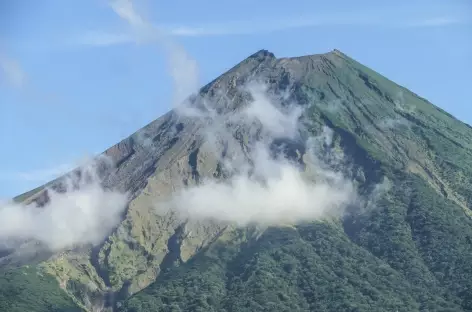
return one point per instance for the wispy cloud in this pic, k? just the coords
(11, 71)
(267, 187)
(125, 10)
(181, 66)
(84, 214)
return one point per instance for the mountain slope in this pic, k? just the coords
(409, 250)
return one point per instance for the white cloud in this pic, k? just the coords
(265, 189)
(84, 214)
(181, 66)
(278, 122)
(125, 10)
(285, 195)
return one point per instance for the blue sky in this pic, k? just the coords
(78, 76)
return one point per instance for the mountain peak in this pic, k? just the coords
(262, 54)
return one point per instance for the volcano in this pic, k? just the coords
(306, 183)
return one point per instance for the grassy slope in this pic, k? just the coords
(29, 289)
(411, 253)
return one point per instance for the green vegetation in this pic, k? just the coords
(409, 250)
(28, 289)
(406, 255)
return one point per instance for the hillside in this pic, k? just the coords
(402, 244)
